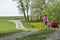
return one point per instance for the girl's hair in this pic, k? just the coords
(45, 15)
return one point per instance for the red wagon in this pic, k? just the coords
(53, 24)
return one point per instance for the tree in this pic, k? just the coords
(23, 6)
(37, 7)
(53, 11)
(27, 9)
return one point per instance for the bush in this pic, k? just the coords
(39, 25)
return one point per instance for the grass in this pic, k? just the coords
(33, 25)
(27, 25)
(7, 27)
(32, 38)
(35, 36)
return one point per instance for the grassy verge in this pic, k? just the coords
(7, 27)
(33, 25)
(36, 36)
(27, 25)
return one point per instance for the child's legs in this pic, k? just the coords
(46, 24)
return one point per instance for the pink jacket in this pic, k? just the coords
(45, 18)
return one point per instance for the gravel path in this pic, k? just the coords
(18, 35)
(54, 36)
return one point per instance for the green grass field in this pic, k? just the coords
(7, 27)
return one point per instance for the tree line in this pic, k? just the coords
(40, 7)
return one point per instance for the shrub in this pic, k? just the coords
(39, 25)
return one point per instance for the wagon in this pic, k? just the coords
(53, 24)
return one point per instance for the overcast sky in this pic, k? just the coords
(8, 8)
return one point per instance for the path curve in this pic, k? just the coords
(18, 24)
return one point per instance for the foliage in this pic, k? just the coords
(37, 6)
(53, 11)
(23, 6)
(39, 25)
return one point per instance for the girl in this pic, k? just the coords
(45, 19)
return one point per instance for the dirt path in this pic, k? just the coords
(54, 36)
(18, 24)
(18, 35)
